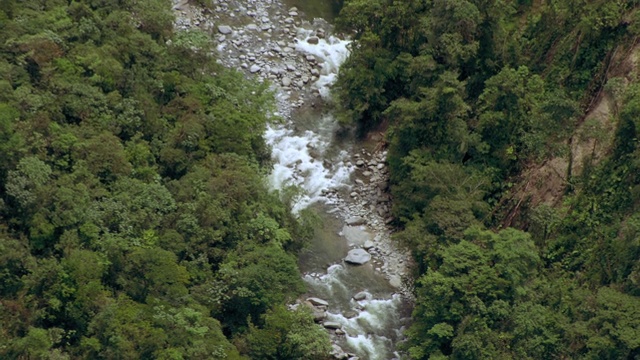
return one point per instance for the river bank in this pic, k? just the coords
(300, 59)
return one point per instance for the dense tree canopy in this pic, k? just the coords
(135, 222)
(472, 93)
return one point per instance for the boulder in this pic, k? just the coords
(357, 257)
(332, 325)
(349, 314)
(318, 314)
(254, 68)
(338, 353)
(313, 40)
(368, 245)
(286, 81)
(224, 29)
(355, 221)
(360, 296)
(317, 301)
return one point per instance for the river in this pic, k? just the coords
(338, 177)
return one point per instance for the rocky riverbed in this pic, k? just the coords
(300, 58)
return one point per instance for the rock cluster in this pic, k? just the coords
(259, 37)
(318, 308)
(368, 204)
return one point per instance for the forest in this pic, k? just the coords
(135, 221)
(475, 96)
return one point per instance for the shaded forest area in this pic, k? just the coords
(474, 93)
(135, 222)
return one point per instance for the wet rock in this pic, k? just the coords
(362, 295)
(368, 245)
(332, 325)
(357, 257)
(224, 29)
(318, 314)
(355, 221)
(359, 163)
(313, 40)
(349, 314)
(317, 301)
(338, 353)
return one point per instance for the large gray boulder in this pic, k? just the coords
(357, 257)
(224, 29)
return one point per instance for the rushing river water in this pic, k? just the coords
(307, 154)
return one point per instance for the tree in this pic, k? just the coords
(288, 334)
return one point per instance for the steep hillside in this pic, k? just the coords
(513, 164)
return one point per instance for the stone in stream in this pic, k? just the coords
(357, 257)
(360, 296)
(368, 245)
(332, 325)
(337, 352)
(349, 314)
(313, 40)
(224, 29)
(317, 301)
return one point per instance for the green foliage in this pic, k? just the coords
(256, 277)
(475, 95)
(135, 222)
(288, 335)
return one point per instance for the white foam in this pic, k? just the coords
(295, 165)
(329, 282)
(331, 52)
(375, 347)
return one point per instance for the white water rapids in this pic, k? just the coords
(308, 160)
